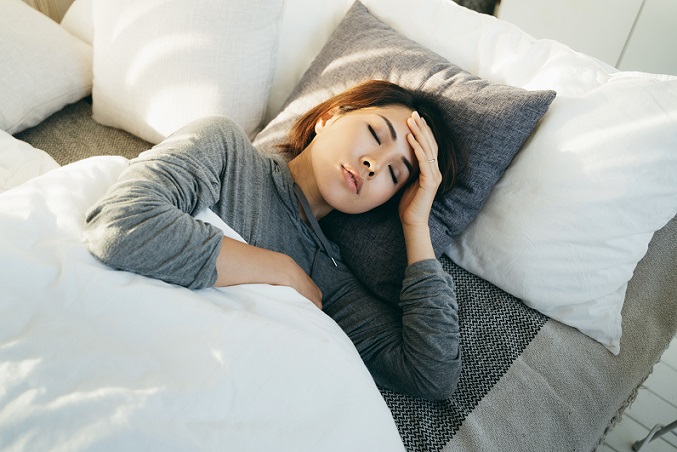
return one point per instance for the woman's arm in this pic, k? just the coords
(417, 200)
(411, 348)
(144, 223)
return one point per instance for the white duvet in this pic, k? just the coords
(97, 359)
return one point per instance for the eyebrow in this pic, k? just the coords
(393, 134)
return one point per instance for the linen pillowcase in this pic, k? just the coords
(78, 20)
(161, 64)
(42, 67)
(491, 120)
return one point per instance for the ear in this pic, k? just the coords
(326, 119)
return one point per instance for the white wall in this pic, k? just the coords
(629, 34)
(653, 44)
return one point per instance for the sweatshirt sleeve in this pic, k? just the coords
(414, 349)
(144, 223)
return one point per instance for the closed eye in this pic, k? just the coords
(392, 174)
(373, 133)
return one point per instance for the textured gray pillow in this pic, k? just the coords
(491, 120)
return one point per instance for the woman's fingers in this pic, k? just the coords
(425, 148)
(417, 200)
(423, 135)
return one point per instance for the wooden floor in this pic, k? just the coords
(655, 404)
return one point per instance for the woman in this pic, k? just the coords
(351, 153)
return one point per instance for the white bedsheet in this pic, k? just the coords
(93, 358)
(19, 161)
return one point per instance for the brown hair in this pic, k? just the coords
(379, 93)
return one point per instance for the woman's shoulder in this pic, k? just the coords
(233, 142)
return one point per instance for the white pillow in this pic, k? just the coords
(78, 20)
(574, 213)
(42, 67)
(19, 162)
(161, 64)
(305, 24)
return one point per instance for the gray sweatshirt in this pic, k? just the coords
(144, 224)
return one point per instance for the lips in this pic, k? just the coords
(353, 179)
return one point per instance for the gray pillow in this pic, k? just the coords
(491, 120)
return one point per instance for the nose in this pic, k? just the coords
(370, 167)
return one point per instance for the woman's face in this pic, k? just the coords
(362, 158)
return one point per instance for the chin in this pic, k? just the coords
(349, 207)
(350, 203)
(355, 209)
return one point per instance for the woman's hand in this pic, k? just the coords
(417, 200)
(299, 280)
(241, 263)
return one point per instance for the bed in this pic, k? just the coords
(564, 265)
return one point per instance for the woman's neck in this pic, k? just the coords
(301, 169)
